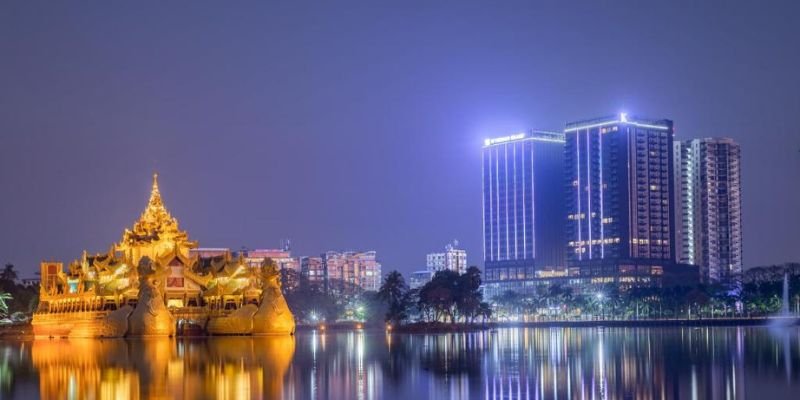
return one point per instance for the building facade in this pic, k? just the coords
(523, 209)
(281, 257)
(313, 269)
(360, 269)
(708, 191)
(620, 196)
(343, 271)
(453, 259)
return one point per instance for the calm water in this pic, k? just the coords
(584, 363)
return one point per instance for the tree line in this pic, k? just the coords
(448, 297)
(759, 294)
(16, 300)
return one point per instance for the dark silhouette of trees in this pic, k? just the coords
(18, 298)
(395, 294)
(450, 297)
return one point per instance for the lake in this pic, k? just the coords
(512, 363)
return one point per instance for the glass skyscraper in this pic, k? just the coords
(620, 221)
(523, 209)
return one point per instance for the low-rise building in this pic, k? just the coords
(453, 259)
(360, 269)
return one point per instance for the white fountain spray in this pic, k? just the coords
(785, 303)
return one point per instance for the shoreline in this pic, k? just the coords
(24, 331)
(608, 323)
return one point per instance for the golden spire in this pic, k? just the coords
(155, 195)
(155, 216)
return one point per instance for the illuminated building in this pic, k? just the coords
(621, 215)
(313, 268)
(452, 259)
(151, 283)
(343, 271)
(708, 193)
(523, 209)
(354, 268)
(418, 279)
(281, 257)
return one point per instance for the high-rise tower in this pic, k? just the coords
(621, 215)
(708, 194)
(523, 209)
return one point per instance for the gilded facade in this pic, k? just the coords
(152, 284)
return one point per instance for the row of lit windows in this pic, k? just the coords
(607, 220)
(581, 243)
(647, 241)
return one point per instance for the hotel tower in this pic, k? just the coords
(621, 218)
(523, 209)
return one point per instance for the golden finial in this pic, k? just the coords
(155, 195)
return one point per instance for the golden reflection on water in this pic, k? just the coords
(163, 368)
(663, 363)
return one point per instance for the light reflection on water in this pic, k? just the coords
(556, 363)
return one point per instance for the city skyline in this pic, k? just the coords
(282, 135)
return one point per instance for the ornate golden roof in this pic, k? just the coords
(155, 223)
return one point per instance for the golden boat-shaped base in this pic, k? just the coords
(87, 324)
(238, 322)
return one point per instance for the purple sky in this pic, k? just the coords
(360, 126)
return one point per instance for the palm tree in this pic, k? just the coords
(393, 292)
(3, 304)
(8, 274)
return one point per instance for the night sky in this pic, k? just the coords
(346, 126)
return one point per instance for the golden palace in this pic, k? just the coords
(150, 284)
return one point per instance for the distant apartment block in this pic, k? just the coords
(344, 270)
(708, 192)
(282, 258)
(314, 269)
(452, 259)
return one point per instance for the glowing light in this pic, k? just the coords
(616, 121)
(623, 117)
(503, 139)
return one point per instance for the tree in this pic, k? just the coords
(4, 304)
(8, 278)
(437, 297)
(451, 297)
(394, 292)
(468, 294)
(308, 300)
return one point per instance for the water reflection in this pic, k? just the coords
(219, 368)
(705, 363)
